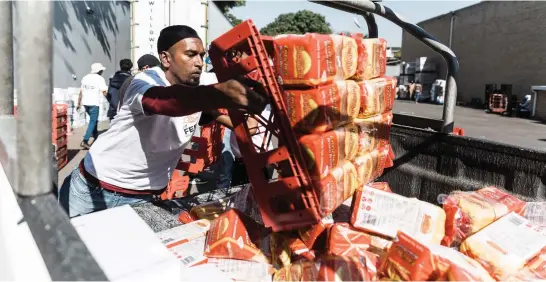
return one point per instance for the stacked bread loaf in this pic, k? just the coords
(340, 105)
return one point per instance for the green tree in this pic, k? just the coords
(297, 23)
(226, 6)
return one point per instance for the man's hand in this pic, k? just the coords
(239, 95)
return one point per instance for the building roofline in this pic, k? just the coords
(483, 2)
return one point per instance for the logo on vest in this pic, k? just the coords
(189, 130)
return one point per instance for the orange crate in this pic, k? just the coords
(59, 121)
(62, 151)
(59, 110)
(291, 201)
(62, 162)
(61, 141)
(59, 132)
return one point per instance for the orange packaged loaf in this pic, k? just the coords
(326, 268)
(324, 151)
(337, 186)
(370, 165)
(505, 246)
(377, 96)
(410, 260)
(386, 213)
(314, 59)
(323, 108)
(372, 57)
(236, 236)
(373, 132)
(287, 248)
(469, 212)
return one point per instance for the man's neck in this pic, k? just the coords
(170, 77)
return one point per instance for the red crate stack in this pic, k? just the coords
(59, 135)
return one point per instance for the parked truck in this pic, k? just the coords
(37, 240)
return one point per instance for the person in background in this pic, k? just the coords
(412, 90)
(116, 82)
(93, 86)
(525, 107)
(418, 92)
(144, 62)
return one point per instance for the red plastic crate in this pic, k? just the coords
(59, 121)
(59, 132)
(61, 141)
(61, 151)
(59, 110)
(62, 162)
(198, 155)
(290, 201)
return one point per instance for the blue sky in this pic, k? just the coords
(264, 12)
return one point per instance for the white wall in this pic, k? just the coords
(20, 258)
(151, 16)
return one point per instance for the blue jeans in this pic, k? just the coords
(93, 112)
(226, 161)
(78, 197)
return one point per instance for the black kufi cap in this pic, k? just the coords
(172, 34)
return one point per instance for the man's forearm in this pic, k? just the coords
(180, 100)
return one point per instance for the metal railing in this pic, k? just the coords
(65, 255)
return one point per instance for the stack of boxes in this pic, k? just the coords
(59, 134)
(340, 106)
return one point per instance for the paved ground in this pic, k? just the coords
(476, 123)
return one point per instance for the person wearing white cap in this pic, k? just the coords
(93, 86)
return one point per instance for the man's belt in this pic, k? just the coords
(113, 188)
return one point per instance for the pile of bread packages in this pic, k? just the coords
(340, 105)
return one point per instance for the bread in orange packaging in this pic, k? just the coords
(337, 186)
(385, 214)
(325, 268)
(343, 240)
(377, 96)
(469, 212)
(286, 248)
(314, 59)
(314, 236)
(324, 151)
(370, 165)
(411, 260)
(372, 57)
(373, 132)
(505, 246)
(324, 107)
(534, 270)
(234, 235)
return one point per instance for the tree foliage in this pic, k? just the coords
(297, 23)
(225, 6)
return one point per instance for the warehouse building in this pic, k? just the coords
(499, 43)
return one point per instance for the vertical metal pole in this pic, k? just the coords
(33, 68)
(6, 58)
